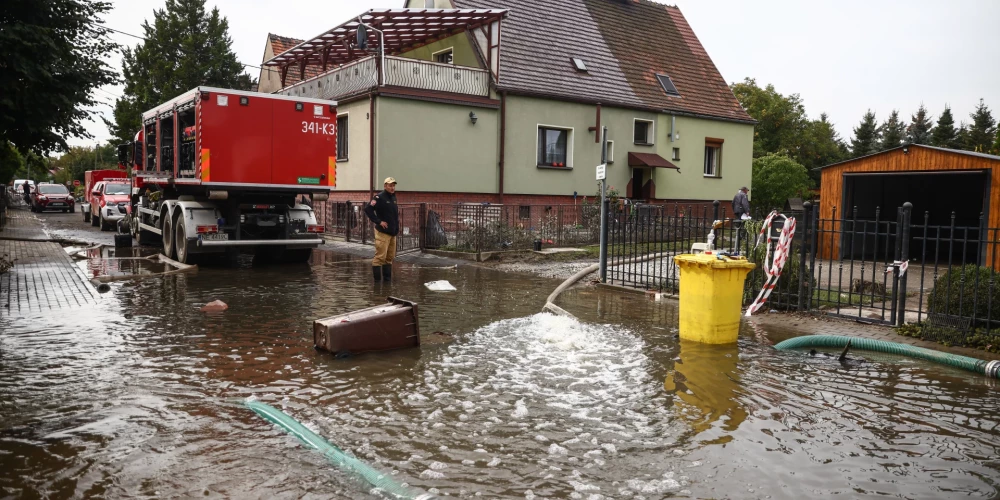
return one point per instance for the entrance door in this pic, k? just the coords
(637, 182)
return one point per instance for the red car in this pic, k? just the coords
(109, 203)
(52, 197)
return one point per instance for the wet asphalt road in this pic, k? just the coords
(71, 228)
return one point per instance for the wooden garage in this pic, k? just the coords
(947, 187)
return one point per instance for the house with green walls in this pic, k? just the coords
(507, 101)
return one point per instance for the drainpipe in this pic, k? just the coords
(371, 144)
(503, 137)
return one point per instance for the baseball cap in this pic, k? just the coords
(389, 180)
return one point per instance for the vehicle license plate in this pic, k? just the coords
(215, 237)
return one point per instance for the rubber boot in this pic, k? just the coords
(377, 271)
(387, 272)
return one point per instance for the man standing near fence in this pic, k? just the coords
(741, 212)
(382, 211)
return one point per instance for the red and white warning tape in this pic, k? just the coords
(901, 264)
(772, 273)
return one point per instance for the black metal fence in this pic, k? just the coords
(886, 267)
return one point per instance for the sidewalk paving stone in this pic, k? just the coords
(44, 277)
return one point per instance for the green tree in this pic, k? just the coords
(893, 131)
(945, 135)
(983, 129)
(11, 162)
(919, 131)
(782, 127)
(962, 137)
(866, 136)
(51, 63)
(996, 143)
(185, 47)
(780, 119)
(776, 178)
(821, 145)
(72, 165)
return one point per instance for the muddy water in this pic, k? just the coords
(139, 398)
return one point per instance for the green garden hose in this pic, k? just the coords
(335, 455)
(989, 368)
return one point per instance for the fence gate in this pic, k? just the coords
(854, 263)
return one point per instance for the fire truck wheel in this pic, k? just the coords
(105, 225)
(181, 243)
(168, 237)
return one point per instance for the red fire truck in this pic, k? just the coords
(222, 171)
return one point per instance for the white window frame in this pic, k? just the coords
(569, 146)
(650, 132)
(611, 151)
(449, 49)
(346, 158)
(717, 168)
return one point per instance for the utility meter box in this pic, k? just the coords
(394, 325)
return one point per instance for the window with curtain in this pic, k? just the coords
(552, 147)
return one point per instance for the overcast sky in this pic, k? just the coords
(842, 57)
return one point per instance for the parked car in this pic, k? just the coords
(109, 203)
(52, 197)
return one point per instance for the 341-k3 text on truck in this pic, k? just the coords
(221, 171)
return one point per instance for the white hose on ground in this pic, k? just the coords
(550, 302)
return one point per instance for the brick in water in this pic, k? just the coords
(215, 306)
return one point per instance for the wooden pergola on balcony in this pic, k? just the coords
(402, 30)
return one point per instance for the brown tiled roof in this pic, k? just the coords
(624, 44)
(280, 44)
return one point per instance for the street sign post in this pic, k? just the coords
(602, 171)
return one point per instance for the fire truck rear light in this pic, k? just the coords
(208, 229)
(299, 106)
(244, 101)
(262, 207)
(314, 228)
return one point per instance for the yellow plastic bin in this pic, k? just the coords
(711, 297)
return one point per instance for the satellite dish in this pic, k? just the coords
(362, 38)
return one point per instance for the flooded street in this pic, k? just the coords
(141, 396)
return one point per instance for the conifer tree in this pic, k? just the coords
(866, 136)
(919, 131)
(893, 132)
(983, 129)
(945, 135)
(184, 47)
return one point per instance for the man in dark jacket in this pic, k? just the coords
(383, 213)
(741, 211)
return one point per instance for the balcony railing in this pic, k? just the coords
(415, 74)
(399, 72)
(348, 79)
